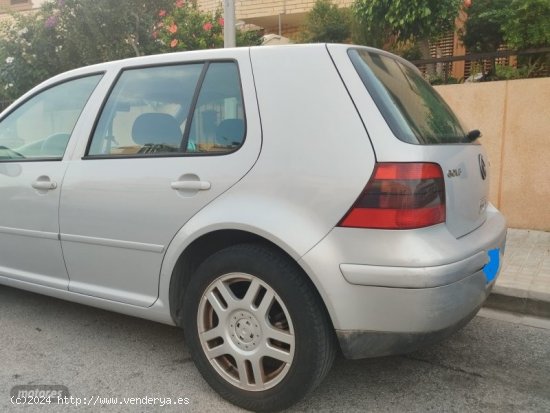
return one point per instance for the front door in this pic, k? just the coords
(33, 139)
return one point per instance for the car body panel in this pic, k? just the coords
(29, 225)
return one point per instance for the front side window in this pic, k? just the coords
(40, 128)
(171, 110)
(413, 109)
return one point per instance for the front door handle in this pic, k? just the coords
(190, 185)
(44, 185)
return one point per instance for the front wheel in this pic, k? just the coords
(256, 329)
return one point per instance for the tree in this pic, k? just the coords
(483, 29)
(518, 24)
(101, 30)
(186, 27)
(65, 34)
(383, 21)
(326, 22)
(528, 24)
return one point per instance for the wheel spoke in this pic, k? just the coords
(226, 293)
(212, 333)
(216, 303)
(265, 305)
(258, 371)
(243, 373)
(218, 351)
(251, 293)
(279, 335)
(277, 354)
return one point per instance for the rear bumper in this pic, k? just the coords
(361, 344)
(455, 305)
(425, 286)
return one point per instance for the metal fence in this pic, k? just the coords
(502, 64)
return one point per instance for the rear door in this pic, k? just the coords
(169, 140)
(408, 121)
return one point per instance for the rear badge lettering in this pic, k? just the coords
(454, 172)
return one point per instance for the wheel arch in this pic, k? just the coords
(209, 243)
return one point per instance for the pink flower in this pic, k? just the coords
(180, 3)
(221, 21)
(207, 26)
(51, 22)
(174, 43)
(155, 34)
(162, 13)
(173, 28)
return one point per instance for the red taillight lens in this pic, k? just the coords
(400, 196)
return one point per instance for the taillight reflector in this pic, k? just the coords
(400, 196)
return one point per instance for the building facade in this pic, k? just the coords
(15, 5)
(283, 17)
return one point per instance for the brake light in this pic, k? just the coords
(400, 196)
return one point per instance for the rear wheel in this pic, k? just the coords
(256, 328)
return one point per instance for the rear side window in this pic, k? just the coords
(413, 109)
(218, 120)
(172, 110)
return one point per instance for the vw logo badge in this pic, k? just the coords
(482, 167)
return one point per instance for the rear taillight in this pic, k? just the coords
(400, 196)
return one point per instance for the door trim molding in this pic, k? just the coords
(107, 242)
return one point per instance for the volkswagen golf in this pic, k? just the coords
(280, 204)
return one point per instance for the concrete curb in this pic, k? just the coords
(527, 306)
(523, 285)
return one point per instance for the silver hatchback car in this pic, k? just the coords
(278, 203)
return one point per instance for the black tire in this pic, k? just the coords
(308, 339)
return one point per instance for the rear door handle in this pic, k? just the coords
(190, 185)
(44, 185)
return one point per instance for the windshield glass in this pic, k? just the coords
(413, 109)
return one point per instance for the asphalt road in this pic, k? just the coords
(489, 366)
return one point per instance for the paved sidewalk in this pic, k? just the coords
(524, 282)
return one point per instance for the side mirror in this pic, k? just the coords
(473, 135)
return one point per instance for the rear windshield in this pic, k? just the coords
(413, 109)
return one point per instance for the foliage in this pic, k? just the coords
(520, 24)
(528, 24)
(101, 30)
(405, 20)
(437, 79)
(509, 72)
(65, 34)
(326, 22)
(483, 30)
(186, 27)
(407, 50)
(28, 55)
